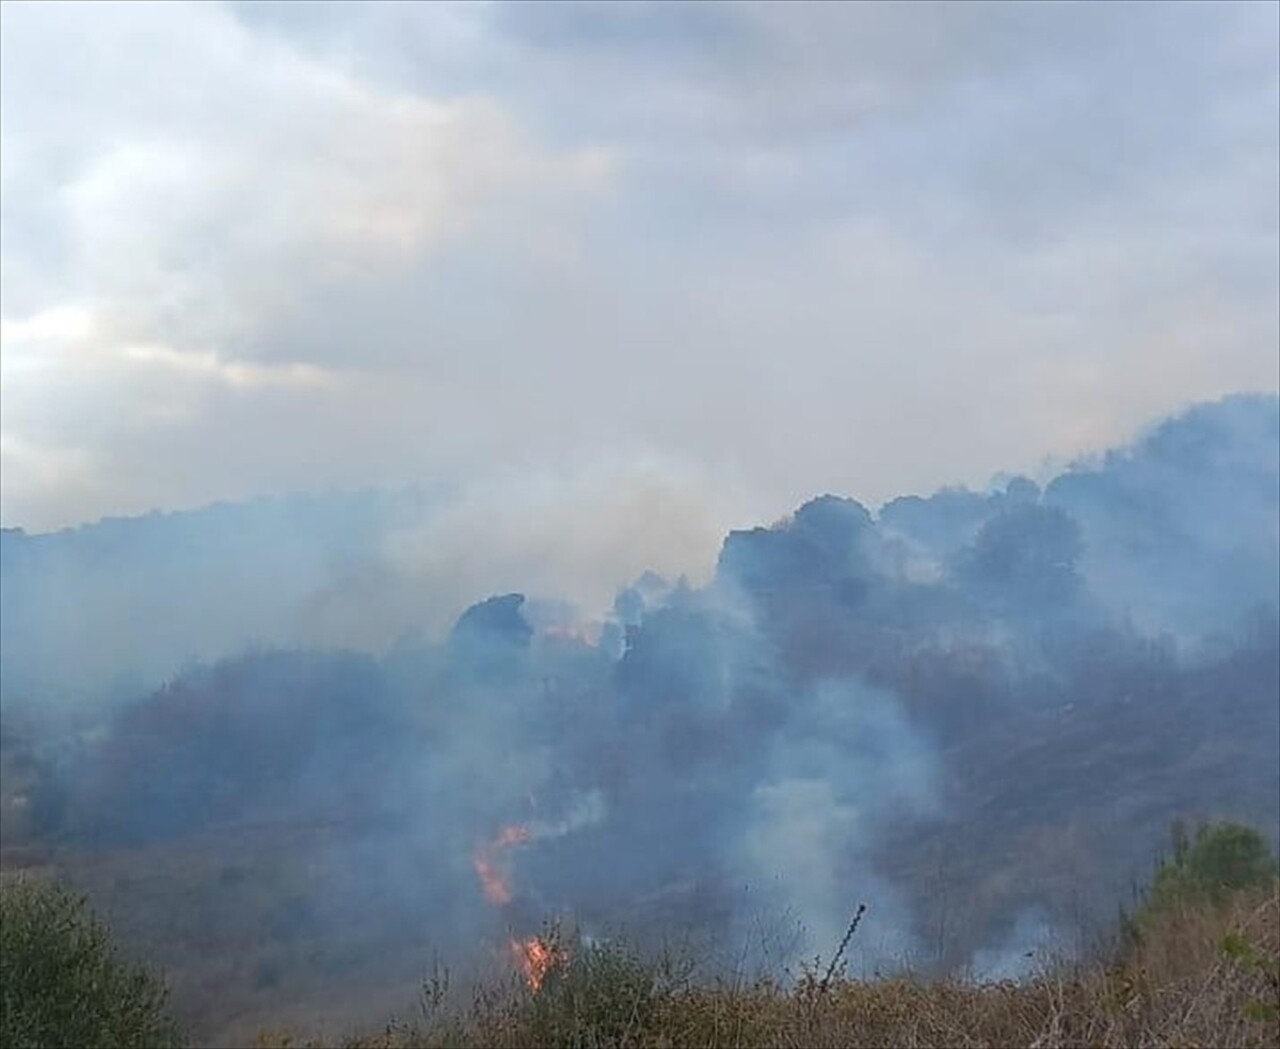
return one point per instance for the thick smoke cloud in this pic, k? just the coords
(1182, 526)
(356, 570)
(1000, 698)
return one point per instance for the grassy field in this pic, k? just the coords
(1200, 974)
(1188, 969)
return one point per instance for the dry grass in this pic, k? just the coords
(1199, 976)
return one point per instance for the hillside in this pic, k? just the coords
(976, 712)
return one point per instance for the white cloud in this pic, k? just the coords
(175, 186)
(820, 248)
(204, 177)
(234, 373)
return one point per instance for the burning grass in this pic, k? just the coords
(493, 880)
(536, 958)
(1198, 974)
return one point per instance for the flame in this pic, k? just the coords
(535, 958)
(492, 880)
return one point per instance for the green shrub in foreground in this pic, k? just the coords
(598, 993)
(62, 981)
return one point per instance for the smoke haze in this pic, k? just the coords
(1008, 693)
(693, 468)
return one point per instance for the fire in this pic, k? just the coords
(492, 880)
(535, 958)
(537, 955)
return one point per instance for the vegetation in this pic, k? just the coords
(63, 981)
(1204, 974)
(1202, 967)
(1224, 857)
(602, 993)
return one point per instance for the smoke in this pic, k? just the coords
(350, 570)
(585, 811)
(1030, 945)
(801, 726)
(1182, 525)
(846, 762)
(572, 534)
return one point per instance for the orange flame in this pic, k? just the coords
(535, 958)
(492, 880)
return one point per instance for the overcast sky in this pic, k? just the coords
(672, 259)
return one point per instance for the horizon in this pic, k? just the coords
(1050, 466)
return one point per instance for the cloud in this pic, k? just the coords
(175, 187)
(233, 373)
(199, 181)
(374, 243)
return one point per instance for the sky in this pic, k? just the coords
(687, 264)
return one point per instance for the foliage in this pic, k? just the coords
(63, 981)
(1203, 975)
(597, 993)
(1223, 858)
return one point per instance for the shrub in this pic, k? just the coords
(598, 993)
(1204, 974)
(64, 983)
(1224, 858)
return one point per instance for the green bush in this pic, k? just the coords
(64, 983)
(599, 994)
(1223, 858)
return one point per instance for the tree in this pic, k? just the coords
(62, 980)
(1223, 858)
